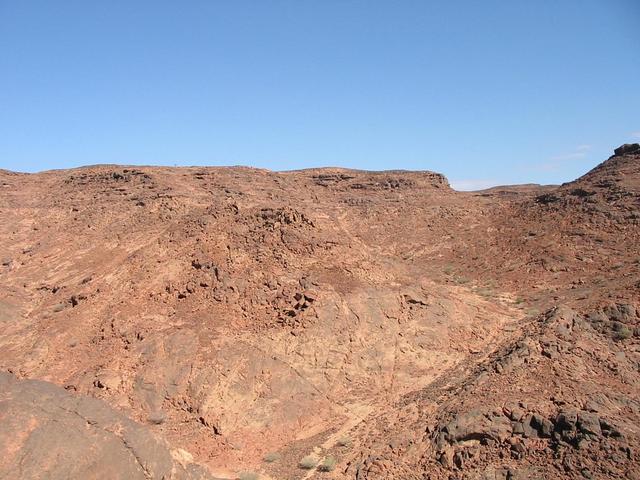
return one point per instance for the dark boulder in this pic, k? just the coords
(476, 425)
(567, 419)
(543, 426)
(589, 423)
(627, 149)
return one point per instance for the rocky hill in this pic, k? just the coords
(377, 324)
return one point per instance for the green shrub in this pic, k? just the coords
(485, 292)
(344, 442)
(308, 462)
(271, 457)
(621, 331)
(328, 464)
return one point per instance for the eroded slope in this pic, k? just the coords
(241, 312)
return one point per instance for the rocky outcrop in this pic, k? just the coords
(46, 432)
(621, 321)
(627, 148)
(517, 431)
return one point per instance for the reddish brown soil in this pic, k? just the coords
(380, 318)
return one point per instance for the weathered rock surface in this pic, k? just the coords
(378, 318)
(46, 432)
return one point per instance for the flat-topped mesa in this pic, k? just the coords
(399, 179)
(376, 180)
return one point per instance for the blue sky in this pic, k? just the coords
(488, 92)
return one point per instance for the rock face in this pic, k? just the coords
(381, 323)
(459, 439)
(627, 149)
(45, 432)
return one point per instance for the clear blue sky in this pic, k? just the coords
(484, 91)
